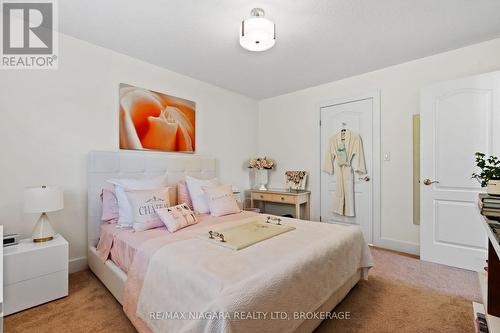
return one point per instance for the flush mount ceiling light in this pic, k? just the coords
(257, 33)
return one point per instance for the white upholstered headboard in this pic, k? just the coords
(136, 164)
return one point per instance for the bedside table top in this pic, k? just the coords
(281, 191)
(27, 244)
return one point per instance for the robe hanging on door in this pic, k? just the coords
(338, 159)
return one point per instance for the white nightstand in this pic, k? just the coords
(34, 273)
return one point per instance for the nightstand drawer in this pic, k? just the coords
(272, 197)
(40, 259)
(29, 293)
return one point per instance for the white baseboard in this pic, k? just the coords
(78, 264)
(401, 246)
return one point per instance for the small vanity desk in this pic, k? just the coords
(284, 196)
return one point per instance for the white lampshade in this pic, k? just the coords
(43, 199)
(257, 33)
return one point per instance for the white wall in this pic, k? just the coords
(289, 129)
(52, 119)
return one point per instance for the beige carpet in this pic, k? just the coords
(402, 294)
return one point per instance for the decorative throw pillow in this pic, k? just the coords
(177, 217)
(198, 198)
(126, 217)
(109, 206)
(144, 204)
(183, 194)
(221, 200)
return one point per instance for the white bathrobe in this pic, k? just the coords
(344, 201)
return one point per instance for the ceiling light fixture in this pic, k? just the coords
(257, 33)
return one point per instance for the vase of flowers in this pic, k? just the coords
(489, 176)
(261, 167)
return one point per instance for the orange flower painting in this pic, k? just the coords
(154, 121)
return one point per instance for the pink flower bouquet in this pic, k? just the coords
(260, 163)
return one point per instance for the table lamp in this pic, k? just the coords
(43, 199)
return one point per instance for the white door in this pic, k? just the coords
(458, 118)
(356, 115)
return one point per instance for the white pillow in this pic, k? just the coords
(144, 204)
(221, 200)
(125, 215)
(195, 188)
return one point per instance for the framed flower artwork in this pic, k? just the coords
(150, 120)
(295, 180)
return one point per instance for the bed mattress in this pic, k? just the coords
(326, 260)
(121, 244)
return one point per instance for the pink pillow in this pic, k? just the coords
(177, 217)
(221, 200)
(183, 194)
(109, 206)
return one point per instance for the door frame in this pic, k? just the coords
(376, 174)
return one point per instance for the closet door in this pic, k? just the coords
(458, 118)
(356, 115)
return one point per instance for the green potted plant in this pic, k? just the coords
(489, 176)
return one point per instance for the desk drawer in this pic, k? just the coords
(272, 197)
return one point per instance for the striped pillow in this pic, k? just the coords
(177, 217)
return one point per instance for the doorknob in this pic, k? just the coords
(428, 182)
(365, 178)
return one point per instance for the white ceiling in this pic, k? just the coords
(317, 40)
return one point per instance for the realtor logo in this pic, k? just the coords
(29, 38)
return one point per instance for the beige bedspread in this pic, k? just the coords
(229, 290)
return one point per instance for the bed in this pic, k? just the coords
(271, 276)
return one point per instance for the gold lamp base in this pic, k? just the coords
(43, 231)
(41, 240)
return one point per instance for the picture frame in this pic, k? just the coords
(295, 180)
(150, 120)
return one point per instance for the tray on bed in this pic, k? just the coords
(244, 235)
